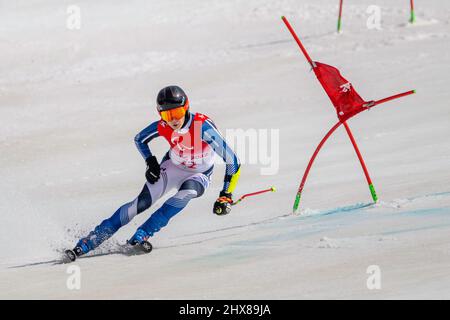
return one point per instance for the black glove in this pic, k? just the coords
(153, 170)
(222, 206)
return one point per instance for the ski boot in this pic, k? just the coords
(81, 248)
(140, 238)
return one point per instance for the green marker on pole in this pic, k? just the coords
(340, 17)
(412, 19)
(373, 193)
(297, 201)
(342, 121)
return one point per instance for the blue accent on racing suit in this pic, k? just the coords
(189, 189)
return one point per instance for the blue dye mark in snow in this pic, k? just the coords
(400, 231)
(427, 211)
(436, 194)
(353, 207)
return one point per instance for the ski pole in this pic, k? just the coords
(271, 189)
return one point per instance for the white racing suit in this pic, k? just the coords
(187, 167)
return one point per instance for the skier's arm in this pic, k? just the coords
(212, 136)
(144, 137)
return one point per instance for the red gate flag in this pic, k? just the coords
(347, 103)
(340, 91)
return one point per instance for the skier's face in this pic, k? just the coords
(176, 124)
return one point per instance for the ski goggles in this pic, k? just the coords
(174, 114)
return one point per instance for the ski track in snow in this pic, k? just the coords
(280, 222)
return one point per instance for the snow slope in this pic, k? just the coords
(72, 101)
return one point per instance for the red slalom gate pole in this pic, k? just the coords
(395, 96)
(367, 105)
(340, 16)
(412, 19)
(355, 145)
(302, 48)
(361, 160)
(305, 175)
(308, 168)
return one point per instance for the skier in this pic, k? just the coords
(187, 167)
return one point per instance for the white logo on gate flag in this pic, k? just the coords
(346, 87)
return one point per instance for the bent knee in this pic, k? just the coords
(144, 200)
(196, 189)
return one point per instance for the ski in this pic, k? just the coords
(144, 247)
